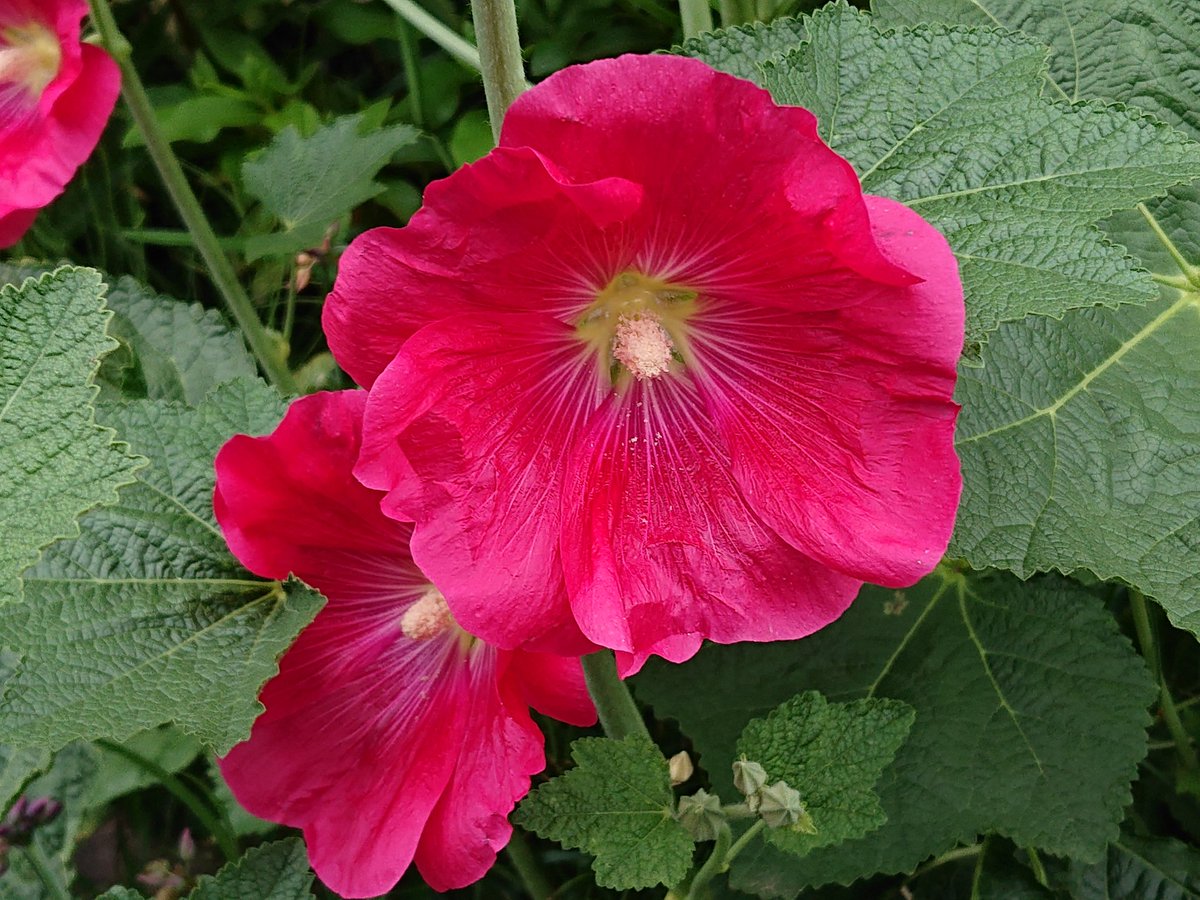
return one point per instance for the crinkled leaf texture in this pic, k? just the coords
(145, 617)
(1030, 719)
(952, 122)
(1141, 52)
(832, 753)
(58, 463)
(1137, 868)
(617, 805)
(1080, 446)
(307, 182)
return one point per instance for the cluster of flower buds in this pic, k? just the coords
(778, 803)
(21, 821)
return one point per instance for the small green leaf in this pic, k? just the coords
(617, 805)
(307, 183)
(1030, 719)
(58, 463)
(1137, 868)
(277, 871)
(832, 753)
(167, 747)
(146, 617)
(199, 119)
(17, 766)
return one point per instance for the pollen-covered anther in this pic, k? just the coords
(428, 617)
(30, 56)
(642, 345)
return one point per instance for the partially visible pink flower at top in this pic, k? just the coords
(655, 370)
(56, 95)
(390, 735)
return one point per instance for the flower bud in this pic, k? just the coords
(187, 846)
(749, 777)
(780, 807)
(681, 768)
(701, 815)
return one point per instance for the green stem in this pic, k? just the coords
(1190, 272)
(1170, 714)
(220, 829)
(458, 47)
(1179, 282)
(42, 866)
(696, 17)
(531, 874)
(412, 74)
(502, 68)
(713, 866)
(1039, 870)
(740, 844)
(618, 713)
(270, 352)
(730, 15)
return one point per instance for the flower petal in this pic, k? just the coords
(554, 686)
(679, 129)
(501, 749)
(661, 551)
(467, 430)
(840, 424)
(494, 234)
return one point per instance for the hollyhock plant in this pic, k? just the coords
(56, 95)
(655, 370)
(390, 735)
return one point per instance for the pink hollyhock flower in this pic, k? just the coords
(390, 734)
(56, 95)
(655, 370)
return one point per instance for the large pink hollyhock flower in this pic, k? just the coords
(658, 368)
(390, 734)
(56, 95)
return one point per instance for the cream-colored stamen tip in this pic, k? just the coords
(642, 345)
(428, 617)
(29, 56)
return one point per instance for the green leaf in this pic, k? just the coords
(1141, 52)
(67, 781)
(277, 871)
(307, 183)
(146, 617)
(1030, 719)
(58, 463)
(1080, 448)
(741, 50)
(953, 123)
(1137, 868)
(169, 350)
(617, 805)
(17, 766)
(168, 747)
(199, 119)
(1000, 875)
(832, 753)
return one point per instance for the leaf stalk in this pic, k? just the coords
(501, 64)
(618, 713)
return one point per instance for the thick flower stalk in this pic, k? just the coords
(390, 735)
(56, 95)
(655, 370)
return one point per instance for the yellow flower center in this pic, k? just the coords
(30, 57)
(637, 326)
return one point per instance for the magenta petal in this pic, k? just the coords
(465, 251)
(467, 431)
(502, 748)
(661, 551)
(554, 686)
(840, 424)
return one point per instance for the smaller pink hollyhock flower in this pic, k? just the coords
(56, 95)
(390, 735)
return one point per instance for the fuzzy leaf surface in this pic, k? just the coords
(146, 618)
(832, 753)
(1080, 448)
(617, 805)
(58, 463)
(953, 122)
(1028, 683)
(741, 50)
(307, 182)
(277, 871)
